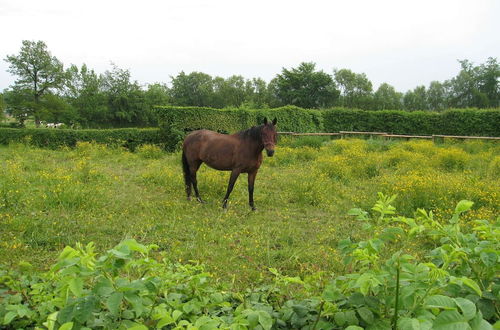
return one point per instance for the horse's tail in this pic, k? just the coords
(185, 169)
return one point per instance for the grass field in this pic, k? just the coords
(53, 198)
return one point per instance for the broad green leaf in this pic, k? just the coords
(9, 317)
(176, 314)
(450, 320)
(103, 287)
(351, 318)
(439, 301)
(467, 307)
(489, 258)
(84, 309)
(51, 321)
(353, 327)
(340, 318)
(206, 323)
(366, 314)
(135, 301)
(66, 326)
(134, 246)
(472, 284)
(66, 314)
(164, 321)
(114, 301)
(392, 233)
(463, 206)
(478, 323)
(252, 317)
(408, 323)
(184, 323)
(487, 308)
(76, 286)
(121, 252)
(265, 320)
(366, 282)
(331, 293)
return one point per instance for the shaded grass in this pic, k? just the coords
(49, 199)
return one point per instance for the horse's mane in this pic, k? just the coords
(254, 133)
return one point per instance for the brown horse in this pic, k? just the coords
(239, 153)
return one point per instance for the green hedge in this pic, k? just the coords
(450, 122)
(290, 118)
(467, 122)
(54, 138)
(175, 122)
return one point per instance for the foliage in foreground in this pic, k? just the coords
(128, 287)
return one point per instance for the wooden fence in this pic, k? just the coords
(343, 134)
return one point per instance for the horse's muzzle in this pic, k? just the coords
(270, 153)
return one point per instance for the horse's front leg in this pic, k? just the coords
(251, 181)
(234, 175)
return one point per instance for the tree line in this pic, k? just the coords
(47, 91)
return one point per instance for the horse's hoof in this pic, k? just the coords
(224, 204)
(189, 199)
(200, 200)
(254, 208)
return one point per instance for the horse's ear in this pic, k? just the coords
(265, 120)
(275, 120)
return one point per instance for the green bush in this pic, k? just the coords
(129, 138)
(175, 122)
(290, 118)
(467, 122)
(128, 287)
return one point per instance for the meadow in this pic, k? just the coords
(53, 198)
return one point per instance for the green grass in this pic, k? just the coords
(53, 198)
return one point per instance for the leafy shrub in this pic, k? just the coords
(128, 287)
(129, 138)
(451, 122)
(176, 121)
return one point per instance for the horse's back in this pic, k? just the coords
(204, 136)
(213, 148)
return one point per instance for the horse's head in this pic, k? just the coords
(269, 136)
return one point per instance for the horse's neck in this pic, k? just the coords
(255, 147)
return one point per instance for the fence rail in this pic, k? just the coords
(433, 137)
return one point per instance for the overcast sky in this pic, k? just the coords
(404, 43)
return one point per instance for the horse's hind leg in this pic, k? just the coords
(234, 175)
(194, 166)
(187, 175)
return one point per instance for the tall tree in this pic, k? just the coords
(387, 98)
(194, 89)
(229, 92)
(258, 95)
(488, 81)
(126, 101)
(38, 73)
(355, 89)
(437, 96)
(85, 91)
(305, 87)
(56, 109)
(157, 94)
(416, 99)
